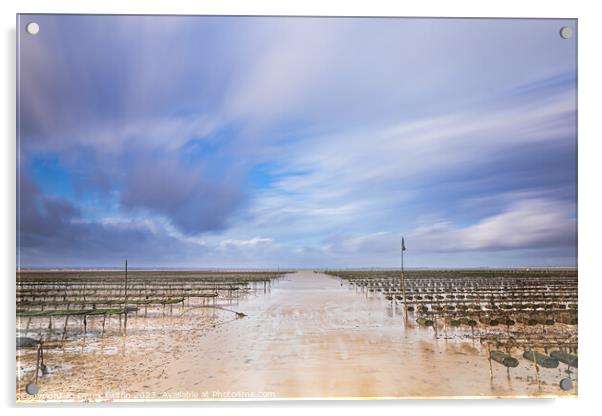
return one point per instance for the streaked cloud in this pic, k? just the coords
(309, 142)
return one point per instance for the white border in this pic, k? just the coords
(590, 68)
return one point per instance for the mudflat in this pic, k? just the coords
(310, 335)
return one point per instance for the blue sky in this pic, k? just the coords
(296, 142)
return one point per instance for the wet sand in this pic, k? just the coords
(310, 336)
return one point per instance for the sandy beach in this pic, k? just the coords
(309, 336)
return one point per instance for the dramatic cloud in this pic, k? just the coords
(305, 142)
(193, 200)
(528, 223)
(40, 217)
(51, 229)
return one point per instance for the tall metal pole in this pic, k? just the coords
(403, 283)
(125, 306)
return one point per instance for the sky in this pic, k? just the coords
(271, 142)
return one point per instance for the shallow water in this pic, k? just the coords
(310, 335)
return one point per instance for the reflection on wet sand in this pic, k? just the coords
(310, 335)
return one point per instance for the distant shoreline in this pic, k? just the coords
(224, 269)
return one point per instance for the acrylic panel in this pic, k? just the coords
(248, 207)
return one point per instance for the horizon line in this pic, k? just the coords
(91, 269)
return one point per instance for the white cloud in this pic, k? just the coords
(362, 178)
(241, 244)
(529, 223)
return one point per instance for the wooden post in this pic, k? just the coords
(536, 369)
(65, 328)
(445, 327)
(125, 305)
(42, 365)
(84, 324)
(38, 361)
(403, 286)
(489, 358)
